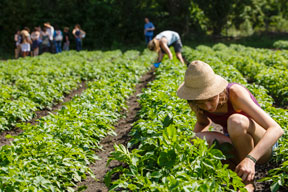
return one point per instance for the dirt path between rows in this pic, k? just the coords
(39, 114)
(122, 129)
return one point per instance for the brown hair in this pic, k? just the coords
(223, 98)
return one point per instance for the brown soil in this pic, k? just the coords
(122, 129)
(39, 114)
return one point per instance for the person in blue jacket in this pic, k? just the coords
(148, 30)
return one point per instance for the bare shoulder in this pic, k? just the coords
(237, 91)
(240, 97)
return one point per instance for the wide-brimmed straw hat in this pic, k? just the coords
(154, 45)
(200, 82)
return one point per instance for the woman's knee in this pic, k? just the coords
(237, 124)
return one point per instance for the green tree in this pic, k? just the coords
(217, 11)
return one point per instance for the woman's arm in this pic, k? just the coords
(73, 32)
(241, 100)
(151, 29)
(160, 56)
(202, 123)
(163, 45)
(83, 32)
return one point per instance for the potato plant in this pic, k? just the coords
(31, 84)
(164, 154)
(54, 154)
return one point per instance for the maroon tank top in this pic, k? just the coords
(222, 118)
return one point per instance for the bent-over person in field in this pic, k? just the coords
(163, 41)
(251, 131)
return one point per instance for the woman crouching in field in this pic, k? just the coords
(252, 132)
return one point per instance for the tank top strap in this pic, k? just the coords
(230, 107)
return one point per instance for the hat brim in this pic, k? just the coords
(207, 92)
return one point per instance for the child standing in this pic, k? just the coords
(26, 42)
(58, 37)
(35, 37)
(79, 34)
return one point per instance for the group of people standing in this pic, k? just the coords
(46, 39)
(251, 131)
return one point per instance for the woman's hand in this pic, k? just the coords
(246, 169)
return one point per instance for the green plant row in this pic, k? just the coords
(31, 84)
(265, 67)
(163, 154)
(271, 58)
(55, 154)
(278, 176)
(281, 44)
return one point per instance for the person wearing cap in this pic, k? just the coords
(251, 131)
(163, 41)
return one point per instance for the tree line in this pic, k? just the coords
(112, 22)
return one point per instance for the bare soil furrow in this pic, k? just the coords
(122, 129)
(42, 113)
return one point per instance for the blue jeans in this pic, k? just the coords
(58, 46)
(66, 46)
(148, 38)
(78, 44)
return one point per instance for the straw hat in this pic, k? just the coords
(154, 45)
(200, 82)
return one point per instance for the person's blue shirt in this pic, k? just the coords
(147, 26)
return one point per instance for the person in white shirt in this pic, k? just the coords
(50, 31)
(163, 41)
(26, 42)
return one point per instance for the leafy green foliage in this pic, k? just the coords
(31, 84)
(281, 44)
(164, 153)
(55, 154)
(110, 23)
(253, 64)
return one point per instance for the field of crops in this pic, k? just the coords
(162, 159)
(163, 154)
(55, 153)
